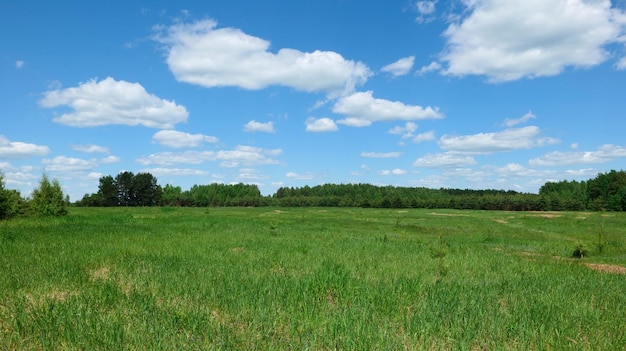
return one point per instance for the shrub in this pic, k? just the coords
(48, 199)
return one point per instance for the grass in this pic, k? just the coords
(316, 279)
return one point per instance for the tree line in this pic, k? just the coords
(607, 191)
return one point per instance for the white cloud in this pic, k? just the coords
(19, 64)
(176, 139)
(178, 172)
(381, 154)
(254, 126)
(428, 136)
(22, 176)
(109, 159)
(199, 53)
(113, 102)
(305, 176)
(91, 148)
(444, 160)
(319, 125)
(506, 140)
(525, 118)
(20, 150)
(241, 155)
(362, 109)
(509, 40)
(406, 131)
(401, 67)
(604, 154)
(251, 174)
(431, 67)
(69, 164)
(396, 172)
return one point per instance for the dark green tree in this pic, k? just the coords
(145, 190)
(124, 186)
(107, 191)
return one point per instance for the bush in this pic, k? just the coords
(48, 199)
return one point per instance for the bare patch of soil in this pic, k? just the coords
(607, 268)
(99, 274)
(549, 215)
(448, 214)
(501, 221)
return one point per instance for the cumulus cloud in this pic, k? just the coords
(319, 125)
(251, 174)
(401, 67)
(406, 131)
(300, 176)
(69, 164)
(506, 140)
(176, 139)
(509, 40)
(178, 172)
(604, 154)
(19, 64)
(202, 54)
(381, 154)
(254, 126)
(422, 137)
(91, 148)
(99, 103)
(362, 109)
(396, 172)
(447, 159)
(19, 150)
(109, 159)
(241, 155)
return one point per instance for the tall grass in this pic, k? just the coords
(235, 278)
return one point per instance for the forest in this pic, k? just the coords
(605, 192)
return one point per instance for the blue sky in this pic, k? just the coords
(458, 94)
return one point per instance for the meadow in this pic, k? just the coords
(313, 279)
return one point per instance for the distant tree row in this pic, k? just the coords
(367, 195)
(47, 200)
(605, 192)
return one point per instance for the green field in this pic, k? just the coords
(312, 279)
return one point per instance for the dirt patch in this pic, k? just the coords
(238, 249)
(501, 221)
(549, 215)
(448, 214)
(528, 253)
(607, 268)
(99, 274)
